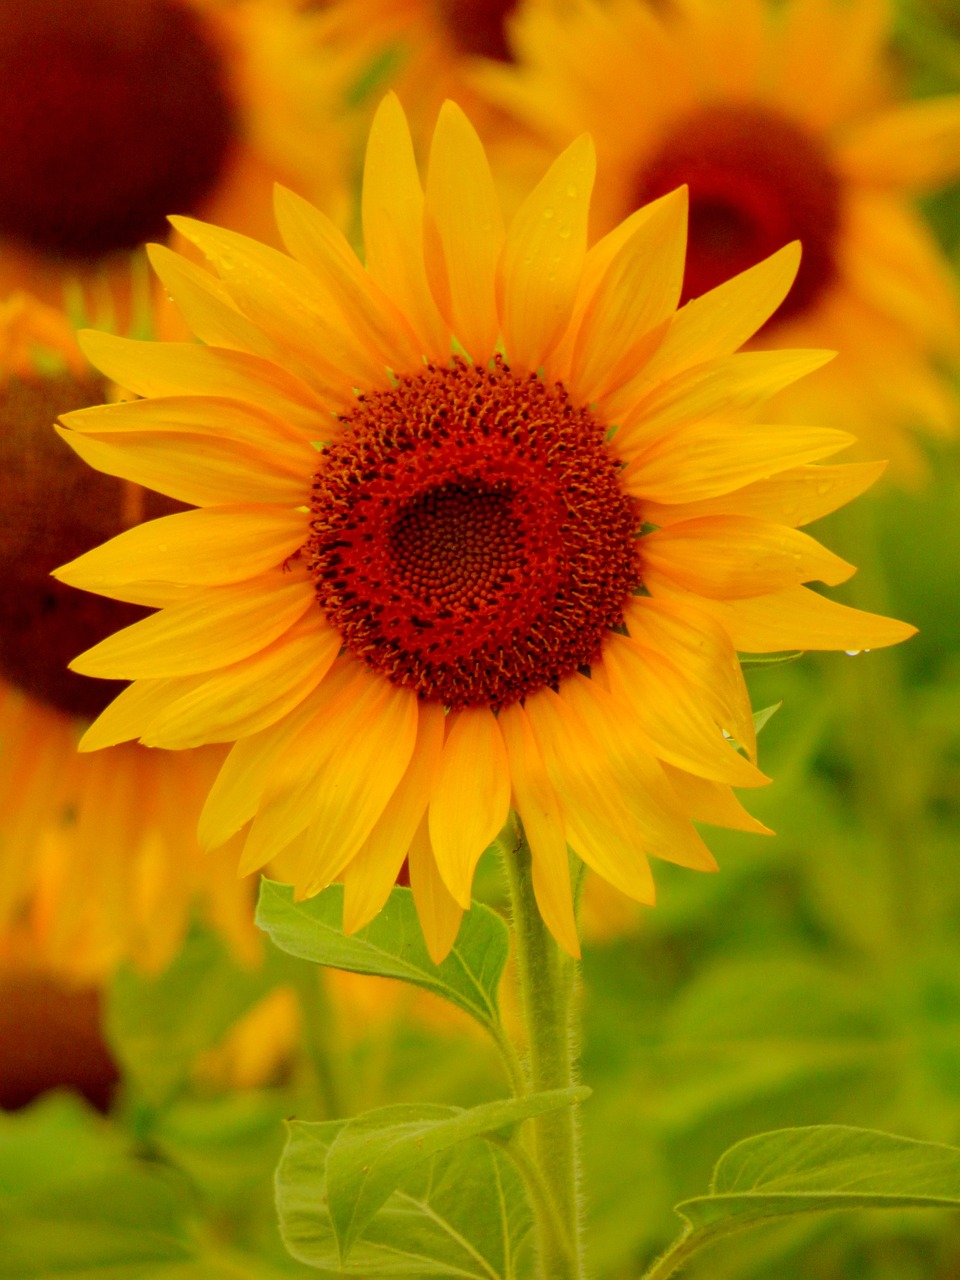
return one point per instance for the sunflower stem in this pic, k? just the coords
(548, 983)
(318, 1036)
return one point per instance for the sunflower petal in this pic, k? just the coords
(187, 368)
(373, 872)
(201, 548)
(393, 226)
(543, 257)
(463, 231)
(440, 913)
(735, 556)
(635, 296)
(536, 802)
(795, 618)
(222, 626)
(795, 497)
(471, 797)
(914, 144)
(671, 717)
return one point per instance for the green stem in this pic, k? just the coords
(547, 978)
(679, 1252)
(511, 1059)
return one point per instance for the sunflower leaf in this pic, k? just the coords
(817, 1169)
(763, 717)
(410, 1191)
(373, 1153)
(392, 945)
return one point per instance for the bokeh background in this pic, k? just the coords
(815, 979)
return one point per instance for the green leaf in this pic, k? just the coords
(751, 661)
(463, 1212)
(819, 1169)
(392, 944)
(372, 1153)
(825, 1167)
(763, 717)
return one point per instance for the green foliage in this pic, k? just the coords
(411, 1191)
(814, 1170)
(158, 1026)
(392, 945)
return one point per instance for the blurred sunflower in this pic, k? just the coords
(423, 48)
(480, 524)
(97, 101)
(98, 855)
(783, 120)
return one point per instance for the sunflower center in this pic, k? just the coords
(476, 27)
(756, 182)
(113, 113)
(470, 539)
(54, 508)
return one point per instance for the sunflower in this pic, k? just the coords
(98, 855)
(96, 100)
(783, 120)
(480, 524)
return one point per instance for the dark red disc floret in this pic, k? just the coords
(757, 181)
(113, 114)
(470, 538)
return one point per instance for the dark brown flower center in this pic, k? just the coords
(756, 181)
(476, 27)
(470, 538)
(113, 113)
(54, 508)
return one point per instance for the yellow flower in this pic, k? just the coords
(422, 587)
(99, 861)
(114, 112)
(783, 120)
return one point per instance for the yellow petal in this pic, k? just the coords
(703, 460)
(914, 144)
(598, 824)
(206, 305)
(795, 497)
(695, 642)
(290, 307)
(536, 802)
(712, 802)
(543, 257)
(373, 872)
(463, 233)
(221, 626)
(393, 227)
(133, 711)
(243, 778)
(187, 368)
(440, 913)
(203, 548)
(321, 246)
(191, 468)
(636, 294)
(251, 694)
(471, 797)
(332, 794)
(719, 322)
(796, 618)
(721, 389)
(662, 829)
(736, 556)
(671, 717)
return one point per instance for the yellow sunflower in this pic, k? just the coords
(115, 112)
(98, 854)
(783, 120)
(481, 524)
